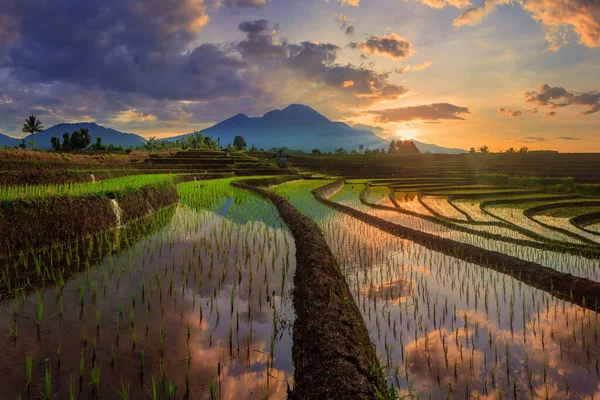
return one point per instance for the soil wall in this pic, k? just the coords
(27, 223)
(332, 352)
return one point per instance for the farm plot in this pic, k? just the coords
(198, 307)
(445, 328)
(567, 263)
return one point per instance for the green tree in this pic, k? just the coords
(150, 145)
(55, 141)
(392, 148)
(239, 143)
(32, 125)
(66, 141)
(316, 151)
(76, 140)
(340, 151)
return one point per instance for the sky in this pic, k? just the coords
(457, 73)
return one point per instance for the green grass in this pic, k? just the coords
(116, 187)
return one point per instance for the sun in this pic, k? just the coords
(407, 134)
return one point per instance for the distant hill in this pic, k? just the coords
(296, 127)
(9, 141)
(108, 135)
(435, 149)
(300, 127)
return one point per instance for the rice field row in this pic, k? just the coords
(445, 328)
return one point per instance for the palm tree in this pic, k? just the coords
(32, 125)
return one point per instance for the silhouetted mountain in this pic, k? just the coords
(299, 127)
(9, 141)
(296, 127)
(108, 135)
(433, 148)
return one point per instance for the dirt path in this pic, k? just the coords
(332, 352)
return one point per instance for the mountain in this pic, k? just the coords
(435, 149)
(296, 127)
(300, 127)
(9, 141)
(108, 135)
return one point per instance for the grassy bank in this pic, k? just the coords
(32, 217)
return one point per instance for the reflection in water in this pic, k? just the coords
(202, 305)
(461, 330)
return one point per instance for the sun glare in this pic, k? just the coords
(407, 134)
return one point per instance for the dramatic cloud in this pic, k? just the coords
(344, 23)
(581, 16)
(509, 112)
(315, 62)
(558, 17)
(556, 97)
(476, 15)
(392, 46)
(433, 112)
(444, 3)
(143, 47)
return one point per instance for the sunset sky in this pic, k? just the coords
(452, 72)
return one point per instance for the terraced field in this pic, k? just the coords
(449, 328)
(200, 282)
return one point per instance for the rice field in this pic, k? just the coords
(194, 303)
(196, 300)
(445, 328)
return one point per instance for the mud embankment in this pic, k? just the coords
(580, 291)
(35, 223)
(332, 352)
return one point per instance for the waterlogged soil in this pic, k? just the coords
(203, 305)
(567, 263)
(445, 328)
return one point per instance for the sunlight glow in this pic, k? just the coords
(407, 134)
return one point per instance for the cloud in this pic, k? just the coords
(145, 47)
(245, 3)
(476, 15)
(416, 67)
(315, 62)
(353, 3)
(558, 17)
(550, 114)
(532, 139)
(444, 3)
(392, 46)
(433, 112)
(556, 97)
(569, 138)
(580, 16)
(509, 112)
(344, 23)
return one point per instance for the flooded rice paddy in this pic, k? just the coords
(199, 308)
(196, 302)
(445, 328)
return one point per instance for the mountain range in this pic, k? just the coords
(296, 127)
